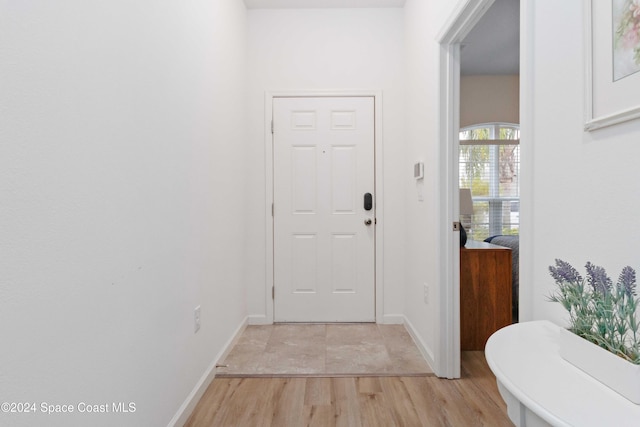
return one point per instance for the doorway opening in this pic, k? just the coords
(454, 46)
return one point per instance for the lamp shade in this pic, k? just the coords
(466, 202)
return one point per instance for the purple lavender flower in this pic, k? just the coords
(564, 272)
(598, 279)
(628, 280)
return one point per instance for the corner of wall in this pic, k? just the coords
(187, 407)
(425, 350)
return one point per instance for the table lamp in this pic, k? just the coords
(466, 208)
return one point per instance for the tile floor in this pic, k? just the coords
(324, 350)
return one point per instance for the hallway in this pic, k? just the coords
(473, 400)
(363, 374)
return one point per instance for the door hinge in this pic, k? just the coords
(271, 126)
(456, 226)
(273, 292)
(272, 210)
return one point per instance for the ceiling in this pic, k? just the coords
(492, 47)
(320, 4)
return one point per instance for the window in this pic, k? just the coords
(490, 166)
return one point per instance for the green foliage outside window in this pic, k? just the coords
(491, 171)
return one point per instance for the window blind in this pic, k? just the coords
(489, 165)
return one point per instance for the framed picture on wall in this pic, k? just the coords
(612, 62)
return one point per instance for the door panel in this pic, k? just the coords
(324, 252)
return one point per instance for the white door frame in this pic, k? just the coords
(378, 192)
(462, 20)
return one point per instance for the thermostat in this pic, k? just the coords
(418, 170)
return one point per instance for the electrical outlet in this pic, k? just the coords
(426, 293)
(196, 319)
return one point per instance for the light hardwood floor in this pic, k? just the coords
(472, 400)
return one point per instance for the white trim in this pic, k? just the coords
(588, 69)
(268, 205)
(187, 407)
(393, 319)
(590, 122)
(258, 319)
(462, 20)
(422, 347)
(379, 188)
(489, 142)
(527, 159)
(613, 119)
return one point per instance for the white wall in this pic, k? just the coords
(580, 189)
(329, 49)
(489, 98)
(423, 22)
(120, 125)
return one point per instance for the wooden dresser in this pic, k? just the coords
(485, 292)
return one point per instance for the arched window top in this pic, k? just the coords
(490, 133)
(489, 165)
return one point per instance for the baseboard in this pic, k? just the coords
(393, 319)
(185, 410)
(424, 350)
(258, 319)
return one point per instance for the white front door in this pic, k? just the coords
(324, 234)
